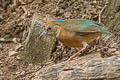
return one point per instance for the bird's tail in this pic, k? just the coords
(102, 29)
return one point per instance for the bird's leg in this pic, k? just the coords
(85, 46)
(92, 44)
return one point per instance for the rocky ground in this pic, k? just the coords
(16, 17)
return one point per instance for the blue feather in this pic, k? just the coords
(59, 20)
(85, 23)
(81, 24)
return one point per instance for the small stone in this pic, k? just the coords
(94, 2)
(17, 72)
(1, 17)
(12, 53)
(117, 52)
(67, 14)
(20, 24)
(2, 39)
(16, 40)
(114, 45)
(1, 62)
(61, 11)
(18, 57)
(23, 72)
(112, 50)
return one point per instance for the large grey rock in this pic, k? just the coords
(38, 49)
(96, 69)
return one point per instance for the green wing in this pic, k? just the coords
(84, 25)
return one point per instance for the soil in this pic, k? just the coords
(15, 19)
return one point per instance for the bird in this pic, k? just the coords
(75, 33)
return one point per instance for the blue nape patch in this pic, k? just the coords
(59, 20)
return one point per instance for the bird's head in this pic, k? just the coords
(53, 27)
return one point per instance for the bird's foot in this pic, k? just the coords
(78, 53)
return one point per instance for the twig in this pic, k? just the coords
(101, 13)
(58, 2)
(6, 41)
(26, 12)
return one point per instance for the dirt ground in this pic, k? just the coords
(15, 19)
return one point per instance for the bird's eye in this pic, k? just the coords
(49, 28)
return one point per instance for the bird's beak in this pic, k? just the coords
(43, 33)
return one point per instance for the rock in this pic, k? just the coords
(67, 15)
(18, 57)
(16, 40)
(94, 2)
(112, 50)
(1, 18)
(96, 69)
(114, 45)
(38, 49)
(2, 39)
(12, 53)
(117, 52)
